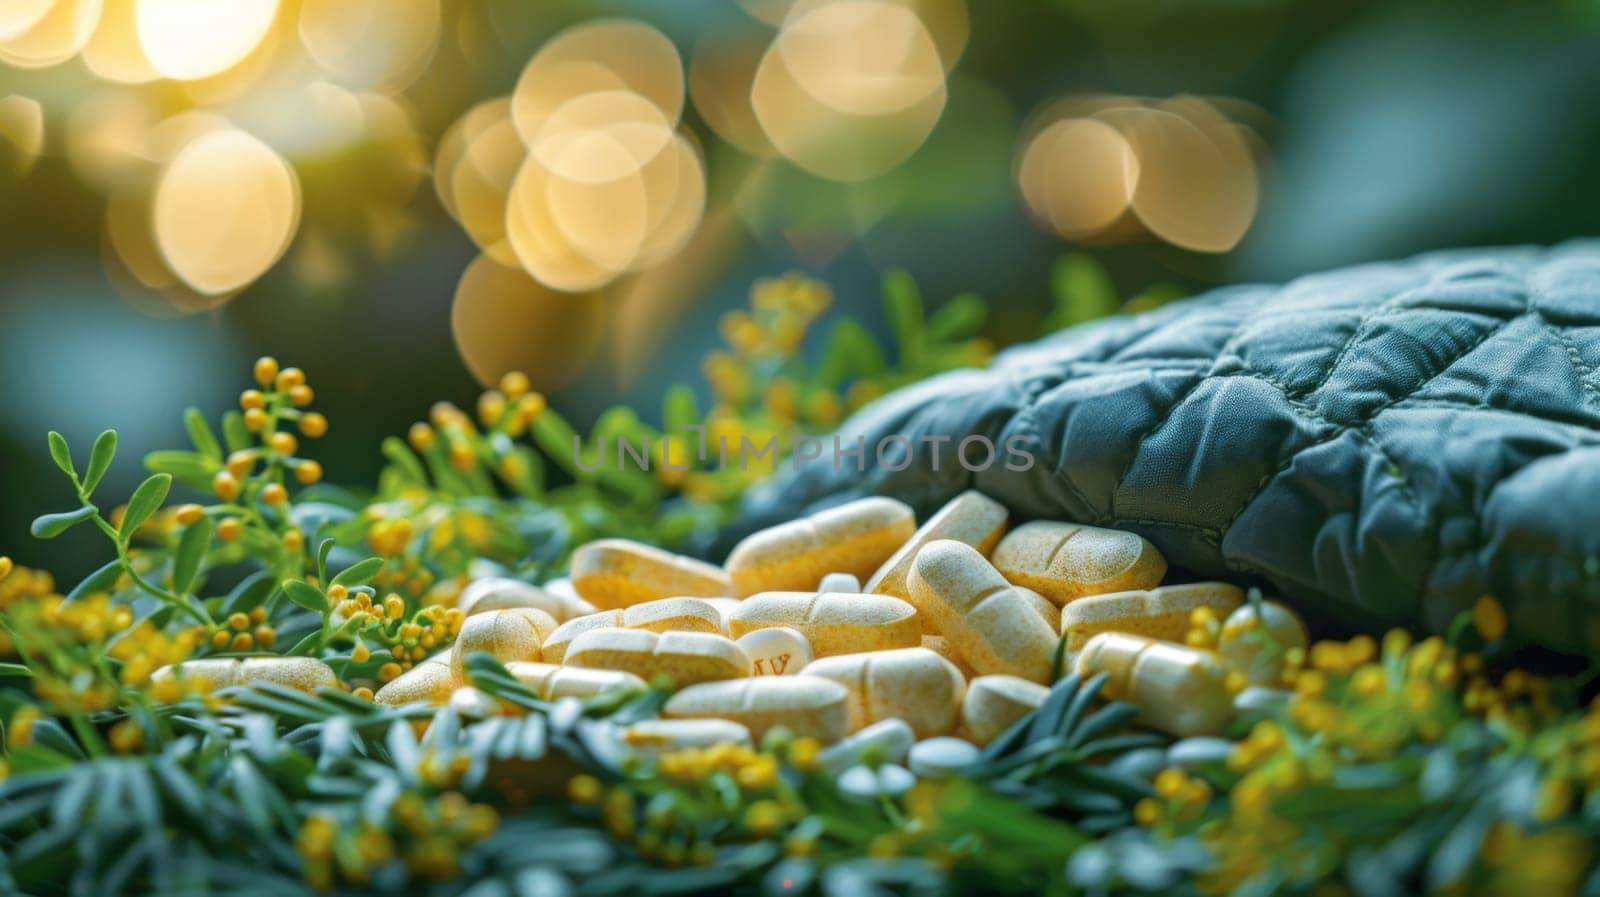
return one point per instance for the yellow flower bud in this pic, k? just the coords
(301, 395)
(313, 425)
(266, 370)
(283, 443)
(252, 399)
(308, 472)
(1489, 618)
(289, 378)
(188, 515)
(274, 494)
(226, 487)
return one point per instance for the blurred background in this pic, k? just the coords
(407, 198)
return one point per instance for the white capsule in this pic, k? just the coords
(779, 651)
(942, 757)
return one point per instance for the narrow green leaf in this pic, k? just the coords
(323, 550)
(105, 449)
(62, 455)
(191, 551)
(680, 409)
(1082, 289)
(960, 318)
(850, 351)
(100, 580)
(49, 526)
(249, 593)
(201, 434)
(903, 303)
(359, 574)
(15, 669)
(405, 460)
(234, 432)
(146, 500)
(189, 468)
(306, 595)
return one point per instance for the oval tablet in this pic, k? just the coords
(1158, 613)
(941, 646)
(971, 517)
(988, 622)
(778, 651)
(854, 538)
(1063, 561)
(995, 703)
(473, 703)
(305, 674)
(500, 593)
(685, 657)
(1177, 689)
(666, 614)
(806, 705)
(886, 741)
(911, 684)
(833, 623)
(943, 757)
(512, 634)
(552, 682)
(616, 573)
(725, 607)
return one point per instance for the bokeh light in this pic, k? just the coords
(1108, 169)
(371, 43)
(21, 134)
(503, 320)
(192, 39)
(225, 210)
(38, 38)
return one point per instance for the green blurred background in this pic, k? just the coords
(1387, 128)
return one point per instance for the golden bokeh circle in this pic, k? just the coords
(226, 209)
(51, 38)
(371, 43)
(596, 56)
(114, 52)
(861, 57)
(481, 182)
(538, 241)
(720, 76)
(1078, 176)
(503, 320)
(188, 40)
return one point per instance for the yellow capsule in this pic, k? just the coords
(808, 706)
(512, 634)
(685, 657)
(552, 682)
(1179, 690)
(1162, 613)
(1256, 640)
(662, 615)
(500, 593)
(971, 517)
(302, 673)
(429, 682)
(616, 573)
(994, 703)
(1064, 561)
(855, 538)
(912, 684)
(834, 622)
(988, 622)
(658, 735)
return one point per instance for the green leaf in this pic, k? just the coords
(15, 669)
(306, 595)
(405, 460)
(62, 455)
(191, 551)
(680, 409)
(359, 574)
(960, 318)
(105, 449)
(1083, 291)
(903, 303)
(850, 351)
(249, 593)
(201, 434)
(146, 500)
(49, 526)
(100, 580)
(234, 432)
(323, 550)
(189, 468)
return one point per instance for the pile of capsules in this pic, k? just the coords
(952, 639)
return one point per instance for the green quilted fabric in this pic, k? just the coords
(1379, 445)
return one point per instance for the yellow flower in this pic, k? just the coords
(1489, 618)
